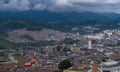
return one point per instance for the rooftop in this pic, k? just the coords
(109, 63)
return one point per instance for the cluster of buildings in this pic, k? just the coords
(18, 36)
(98, 52)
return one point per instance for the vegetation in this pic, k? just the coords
(64, 26)
(65, 64)
(25, 37)
(69, 41)
(4, 44)
(17, 56)
(4, 56)
(60, 49)
(15, 24)
(104, 59)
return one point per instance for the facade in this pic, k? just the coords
(112, 66)
(72, 71)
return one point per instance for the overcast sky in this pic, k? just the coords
(61, 5)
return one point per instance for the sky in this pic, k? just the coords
(112, 6)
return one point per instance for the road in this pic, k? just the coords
(12, 58)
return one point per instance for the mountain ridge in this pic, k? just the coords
(46, 16)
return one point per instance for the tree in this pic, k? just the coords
(65, 64)
(66, 50)
(104, 59)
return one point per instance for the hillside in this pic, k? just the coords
(47, 16)
(63, 26)
(70, 25)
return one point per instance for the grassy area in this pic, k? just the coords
(17, 56)
(4, 44)
(5, 58)
(25, 37)
(81, 71)
(3, 34)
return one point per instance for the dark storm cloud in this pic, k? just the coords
(62, 5)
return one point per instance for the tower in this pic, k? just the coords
(89, 44)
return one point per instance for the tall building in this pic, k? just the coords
(89, 44)
(111, 66)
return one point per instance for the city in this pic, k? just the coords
(97, 52)
(59, 35)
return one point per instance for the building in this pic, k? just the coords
(89, 44)
(75, 48)
(95, 69)
(110, 66)
(72, 71)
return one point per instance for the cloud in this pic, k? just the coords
(19, 5)
(39, 7)
(62, 5)
(86, 5)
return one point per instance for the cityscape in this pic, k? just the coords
(59, 36)
(97, 52)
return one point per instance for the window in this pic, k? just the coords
(106, 71)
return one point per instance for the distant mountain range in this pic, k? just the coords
(65, 22)
(46, 16)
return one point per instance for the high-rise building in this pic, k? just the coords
(89, 44)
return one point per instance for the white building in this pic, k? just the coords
(110, 66)
(89, 44)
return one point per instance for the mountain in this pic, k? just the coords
(37, 20)
(86, 22)
(63, 26)
(46, 16)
